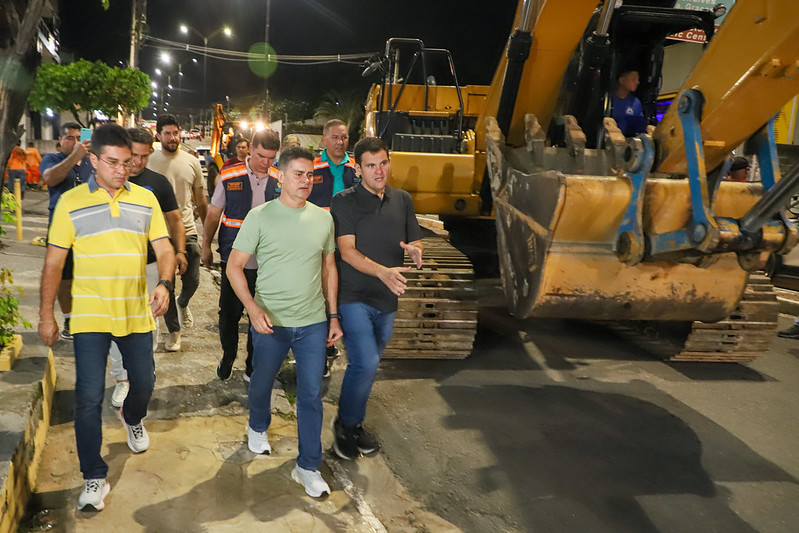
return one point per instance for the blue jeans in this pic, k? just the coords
(307, 343)
(367, 330)
(91, 351)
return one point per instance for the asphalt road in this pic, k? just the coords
(561, 426)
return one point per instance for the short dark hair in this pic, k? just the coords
(739, 163)
(140, 135)
(291, 153)
(69, 126)
(109, 135)
(165, 120)
(331, 123)
(267, 139)
(30, 143)
(243, 140)
(372, 145)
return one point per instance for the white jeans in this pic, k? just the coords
(117, 370)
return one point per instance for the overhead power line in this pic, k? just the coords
(236, 55)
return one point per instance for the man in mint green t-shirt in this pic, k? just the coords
(293, 241)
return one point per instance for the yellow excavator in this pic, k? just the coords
(638, 231)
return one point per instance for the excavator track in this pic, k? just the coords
(437, 315)
(743, 336)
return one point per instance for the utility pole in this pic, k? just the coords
(138, 20)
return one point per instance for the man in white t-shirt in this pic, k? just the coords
(186, 177)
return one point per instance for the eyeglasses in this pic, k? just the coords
(116, 165)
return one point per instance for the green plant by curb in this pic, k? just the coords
(8, 205)
(9, 308)
(9, 304)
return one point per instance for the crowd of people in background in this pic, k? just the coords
(311, 246)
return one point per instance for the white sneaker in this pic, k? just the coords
(257, 441)
(172, 343)
(138, 439)
(312, 480)
(120, 393)
(185, 316)
(94, 492)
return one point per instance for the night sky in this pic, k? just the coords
(474, 30)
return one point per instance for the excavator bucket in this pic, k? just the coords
(557, 242)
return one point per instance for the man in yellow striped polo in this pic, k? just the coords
(107, 223)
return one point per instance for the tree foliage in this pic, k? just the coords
(295, 110)
(83, 87)
(343, 106)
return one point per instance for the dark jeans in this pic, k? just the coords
(91, 351)
(367, 330)
(190, 279)
(307, 343)
(230, 311)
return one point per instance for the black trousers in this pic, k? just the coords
(230, 311)
(190, 279)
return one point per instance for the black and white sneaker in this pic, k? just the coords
(224, 370)
(367, 444)
(790, 333)
(65, 334)
(344, 444)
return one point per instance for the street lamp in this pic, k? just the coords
(185, 30)
(167, 60)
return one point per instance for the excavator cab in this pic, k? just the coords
(635, 40)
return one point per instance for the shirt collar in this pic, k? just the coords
(252, 174)
(359, 188)
(326, 159)
(93, 185)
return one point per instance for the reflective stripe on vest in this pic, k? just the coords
(231, 222)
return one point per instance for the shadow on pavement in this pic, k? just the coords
(268, 495)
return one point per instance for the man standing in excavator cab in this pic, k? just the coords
(627, 110)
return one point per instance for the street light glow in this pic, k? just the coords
(165, 58)
(155, 94)
(243, 125)
(158, 72)
(259, 126)
(184, 28)
(227, 31)
(154, 85)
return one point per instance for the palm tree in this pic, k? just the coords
(348, 107)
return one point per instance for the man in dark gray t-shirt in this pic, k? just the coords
(375, 226)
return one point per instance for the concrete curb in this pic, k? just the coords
(20, 470)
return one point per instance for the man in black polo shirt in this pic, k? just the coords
(373, 224)
(141, 148)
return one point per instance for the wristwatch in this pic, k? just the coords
(333, 315)
(167, 283)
